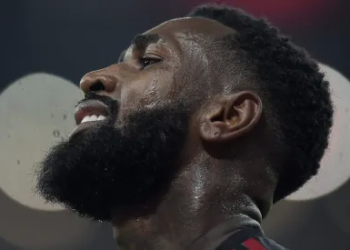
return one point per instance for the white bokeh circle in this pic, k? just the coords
(335, 167)
(36, 112)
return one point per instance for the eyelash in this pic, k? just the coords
(145, 62)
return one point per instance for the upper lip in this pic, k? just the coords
(89, 107)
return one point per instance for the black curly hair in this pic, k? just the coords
(295, 91)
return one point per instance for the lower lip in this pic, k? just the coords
(83, 126)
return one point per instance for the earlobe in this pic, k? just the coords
(235, 116)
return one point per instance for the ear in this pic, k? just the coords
(233, 117)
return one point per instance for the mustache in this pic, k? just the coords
(93, 96)
(113, 105)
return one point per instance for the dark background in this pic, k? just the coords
(70, 38)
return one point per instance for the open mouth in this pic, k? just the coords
(91, 111)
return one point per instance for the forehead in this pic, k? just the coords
(182, 28)
(198, 25)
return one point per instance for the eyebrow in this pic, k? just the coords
(141, 42)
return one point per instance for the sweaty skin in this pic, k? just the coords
(207, 200)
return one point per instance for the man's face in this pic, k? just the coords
(133, 124)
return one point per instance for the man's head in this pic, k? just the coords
(199, 110)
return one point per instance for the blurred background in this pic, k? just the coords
(47, 46)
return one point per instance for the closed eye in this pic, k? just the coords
(146, 62)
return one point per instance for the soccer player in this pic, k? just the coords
(186, 143)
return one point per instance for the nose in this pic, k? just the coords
(99, 80)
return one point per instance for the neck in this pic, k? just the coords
(176, 227)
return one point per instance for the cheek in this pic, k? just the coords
(148, 90)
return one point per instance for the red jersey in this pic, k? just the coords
(249, 239)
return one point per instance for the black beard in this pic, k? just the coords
(106, 168)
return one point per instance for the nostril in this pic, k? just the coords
(98, 86)
(98, 81)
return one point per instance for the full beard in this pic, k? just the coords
(106, 168)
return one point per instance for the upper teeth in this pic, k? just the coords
(93, 118)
